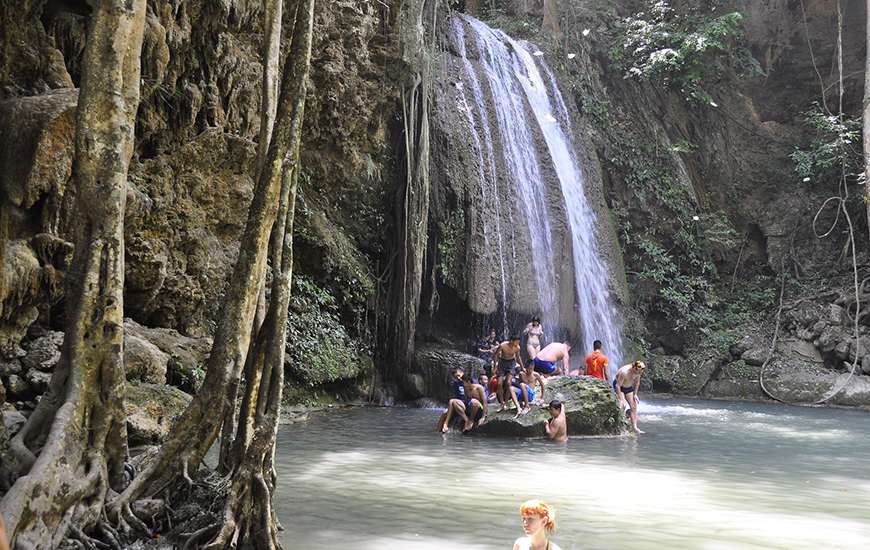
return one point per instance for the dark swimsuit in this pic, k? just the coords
(506, 365)
(627, 390)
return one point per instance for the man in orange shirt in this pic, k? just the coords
(596, 362)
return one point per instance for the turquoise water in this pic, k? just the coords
(706, 475)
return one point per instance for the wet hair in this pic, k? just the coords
(467, 378)
(638, 365)
(537, 507)
(596, 344)
(556, 404)
(536, 319)
(514, 337)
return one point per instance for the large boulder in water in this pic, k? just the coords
(591, 408)
(432, 366)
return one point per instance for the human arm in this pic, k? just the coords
(566, 362)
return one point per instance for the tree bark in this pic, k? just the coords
(197, 428)
(413, 212)
(866, 128)
(272, 14)
(85, 450)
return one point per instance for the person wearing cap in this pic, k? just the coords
(557, 426)
(626, 383)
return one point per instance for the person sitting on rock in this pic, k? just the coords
(523, 392)
(626, 383)
(530, 378)
(477, 392)
(508, 354)
(484, 381)
(546, 359)
(461, 404)
(557, 426)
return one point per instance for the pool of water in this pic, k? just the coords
(706, 475)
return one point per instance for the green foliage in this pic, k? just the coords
(673, 252)
(451, 250)
(682, 51)
(834, 150)
(319, 349)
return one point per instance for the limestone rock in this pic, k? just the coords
(742, 345)
(414, 385)
(37, 379)
(186, 356)
(736, 380)
(801, 350)
(835, 314)
(37, 133)
(143, 361)
(12, 366)
(151, 410)
(43, 353)
(754, 356)
(673, 374)
(590, 405)
(830, 339)
(12, 421)
(17, 386)
(434, 363)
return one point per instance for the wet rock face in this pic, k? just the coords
(591, 409)
(431, 371)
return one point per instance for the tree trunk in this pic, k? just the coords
(866, 132)
(551, 18)
(197, 428)
(85, 449)
(414, 206)
(272, 14)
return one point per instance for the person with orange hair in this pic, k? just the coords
(539, 520)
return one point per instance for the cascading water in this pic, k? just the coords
(520, 157)
(514, 80)
(487, 178)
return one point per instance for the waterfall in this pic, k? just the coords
(489, 187)
(520, 157)
(513, 75)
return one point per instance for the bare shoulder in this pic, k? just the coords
(554, 546)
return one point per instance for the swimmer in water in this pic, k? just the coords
(539, 520)
(533, 331)
(626, 384)
(557, 426)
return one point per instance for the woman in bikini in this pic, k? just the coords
(533, 331)
(539, 520)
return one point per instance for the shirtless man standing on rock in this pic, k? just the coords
(507, 354)
(627, 383)
(546, 359)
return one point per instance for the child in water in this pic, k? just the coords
(539, 520)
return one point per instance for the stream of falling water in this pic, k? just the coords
(513, 77)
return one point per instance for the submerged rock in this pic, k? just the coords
(590, 405)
